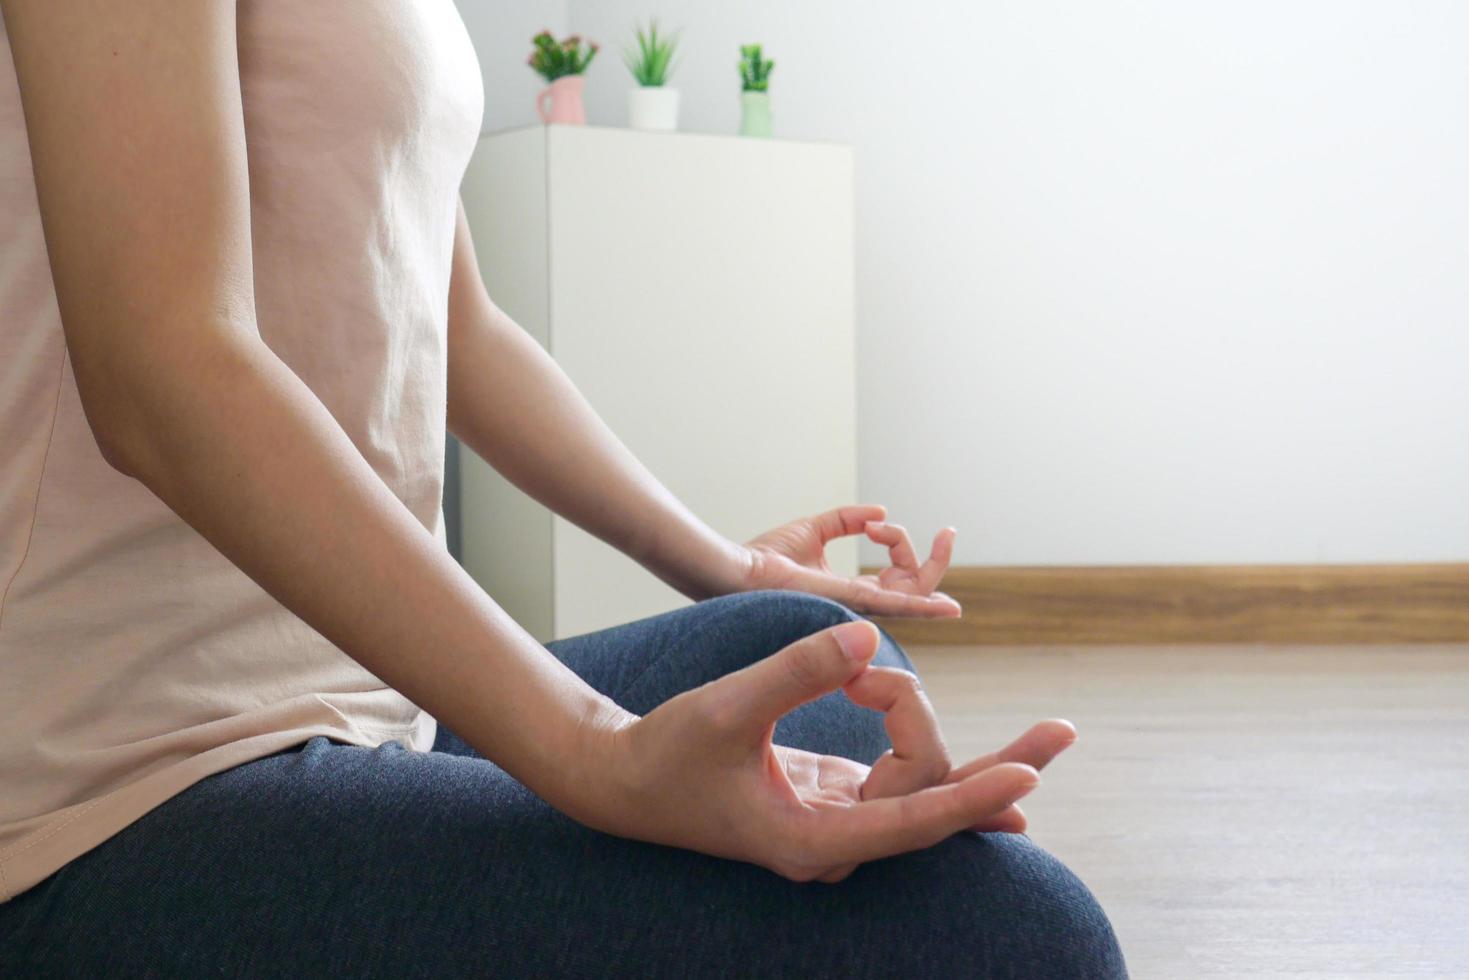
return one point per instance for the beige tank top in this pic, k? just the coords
(134, 658)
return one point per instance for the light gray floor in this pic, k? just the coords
(1246, 811)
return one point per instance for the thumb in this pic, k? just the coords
(763, 692)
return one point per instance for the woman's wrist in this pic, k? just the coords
(594, 770)
(697, 561)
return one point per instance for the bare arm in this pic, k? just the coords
(135, 125)
(514, 406)
(137, 138)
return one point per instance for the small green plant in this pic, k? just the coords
(754, 69)
(652, 62)
(553, 59)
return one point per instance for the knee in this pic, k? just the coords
(1072, 934)
(778, 618)
(720, 636)
(800, 612)
(1008, 908)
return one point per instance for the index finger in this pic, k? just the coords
(919, 758)
(844, 521)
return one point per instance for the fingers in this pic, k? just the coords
(847, 520)
(918, 758)
(1041, 743)
(756, 697)
(866, 596)
(933, 570)
(838, 874)
(899, 545)
(880, 828)
(877, 601)
(905, 573)
(1010, 820)
(863, 594)
(905, 559)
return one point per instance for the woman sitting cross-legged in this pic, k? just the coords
(255, 721)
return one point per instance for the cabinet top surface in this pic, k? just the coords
(556, 131)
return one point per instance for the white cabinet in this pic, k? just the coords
(699, 290)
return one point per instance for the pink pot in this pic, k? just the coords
(564, 95)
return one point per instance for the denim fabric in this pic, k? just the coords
(341, 861)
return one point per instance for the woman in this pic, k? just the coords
(239, 303)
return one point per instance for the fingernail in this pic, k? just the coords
(855, 640)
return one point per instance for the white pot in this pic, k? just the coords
(653, 108)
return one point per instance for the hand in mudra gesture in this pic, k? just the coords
(793, 556)
(700, 771)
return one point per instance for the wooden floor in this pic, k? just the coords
(1246, 811)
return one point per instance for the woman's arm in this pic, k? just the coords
(135, 125)
(137, 141)
(514, 406)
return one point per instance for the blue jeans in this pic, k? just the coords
(342, 861)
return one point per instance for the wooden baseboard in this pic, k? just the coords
(1201, 604)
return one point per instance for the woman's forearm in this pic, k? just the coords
(236, 444)
(514, 406)
(136, 129)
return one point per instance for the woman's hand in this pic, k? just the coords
(793, 556)
(700, 771)
(919, 758)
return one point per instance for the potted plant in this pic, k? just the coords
(561, 64)
(652, 105)
(755, 95)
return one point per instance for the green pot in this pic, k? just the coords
(754, 113)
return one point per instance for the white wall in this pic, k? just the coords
(1137, 281)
